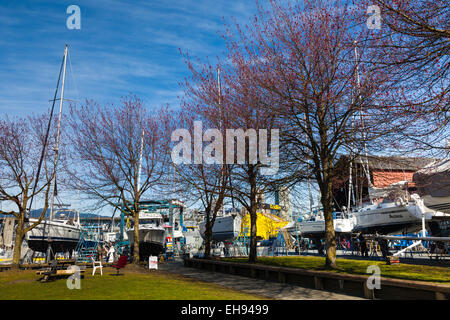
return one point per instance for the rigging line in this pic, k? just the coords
(45, 140)
(73, 76)
(58, 132)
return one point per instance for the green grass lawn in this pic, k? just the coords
(136, 284)
(439, 275)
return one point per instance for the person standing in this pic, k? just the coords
(111, 252)
(363, 245)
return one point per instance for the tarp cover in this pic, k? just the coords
(434, 179)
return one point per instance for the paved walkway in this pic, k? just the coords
(271, 290)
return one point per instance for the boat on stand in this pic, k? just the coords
(395, 210)
(151, 233)
(226, 227)
(57, 233)
(314, 226)
(61, 233)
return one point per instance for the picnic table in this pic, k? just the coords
(56, 271)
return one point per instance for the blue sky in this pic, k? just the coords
(122, 47)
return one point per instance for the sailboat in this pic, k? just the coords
(397, 212)
(52, 234)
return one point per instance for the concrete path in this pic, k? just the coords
(271, 290)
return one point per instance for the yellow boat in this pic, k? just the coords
(267, 225)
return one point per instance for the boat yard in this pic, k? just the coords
(169, 230)
(299, 152)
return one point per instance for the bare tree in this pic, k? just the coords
(418, 37)
(202, 180)
(119, 154)
(240, 109)
(204, 184)
(414, 49)
(24, 147)
(302, 58)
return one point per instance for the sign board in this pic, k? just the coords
(169, 244)
(153, 262)
(149, 215)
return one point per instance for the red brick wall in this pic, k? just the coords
(382, 179)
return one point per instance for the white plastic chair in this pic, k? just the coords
(96, 265)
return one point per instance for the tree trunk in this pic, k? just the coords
(330, 238)
(252, 256)
(136, 258)
(208, 233)
(208, 238)
(18, 242)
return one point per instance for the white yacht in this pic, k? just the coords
(314, 227)
(405, 214)
(225, 227)
(62, 233)
(151, 233)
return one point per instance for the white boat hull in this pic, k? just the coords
(151, 240)
(62, 236)
(193, 239)
(224, 228)
(394, 218)
(317, 228)
(391, 220)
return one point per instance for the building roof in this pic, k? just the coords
(394, 163)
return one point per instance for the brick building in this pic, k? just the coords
(383, 171)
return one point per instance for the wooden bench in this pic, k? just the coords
(59, 272)
(53, 271)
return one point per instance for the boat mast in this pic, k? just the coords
(311, 200)
(219, 87)
(365, 164)
(140, 161)
(27, 213)
(351, 195)
(58, 133)
(350, 186)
